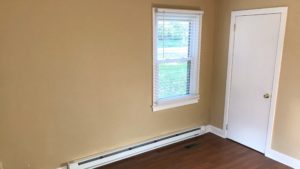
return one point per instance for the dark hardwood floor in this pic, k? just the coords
(204, 152)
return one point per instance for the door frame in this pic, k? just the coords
(283, 11)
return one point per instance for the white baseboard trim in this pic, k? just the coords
(214, 130)
(283, 158)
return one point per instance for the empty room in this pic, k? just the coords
(149, 84)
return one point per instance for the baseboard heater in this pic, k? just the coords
(120, 154)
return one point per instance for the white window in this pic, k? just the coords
(176, 50)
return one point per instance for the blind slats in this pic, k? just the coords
(177, 38)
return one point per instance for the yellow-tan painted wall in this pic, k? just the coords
(76, 78)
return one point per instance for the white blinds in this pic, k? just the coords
(176, 44)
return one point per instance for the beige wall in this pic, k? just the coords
(286, 132)
(76, 78)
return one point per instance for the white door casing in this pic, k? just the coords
(255, 52)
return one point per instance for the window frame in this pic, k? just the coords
(193, 96)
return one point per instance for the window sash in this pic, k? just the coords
(188, 84)
(193, 57)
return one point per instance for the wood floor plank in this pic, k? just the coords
(204, 152)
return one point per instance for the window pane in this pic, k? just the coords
(173, 39)
(173, 79)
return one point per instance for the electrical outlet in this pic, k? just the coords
(1, 165)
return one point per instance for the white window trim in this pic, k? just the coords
(175, 102)
(186, 99)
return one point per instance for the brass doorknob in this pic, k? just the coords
(267, 95)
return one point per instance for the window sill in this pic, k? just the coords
(168, 104)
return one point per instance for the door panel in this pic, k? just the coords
(254, 55)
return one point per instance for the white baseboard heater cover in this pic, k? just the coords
(113, 156)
